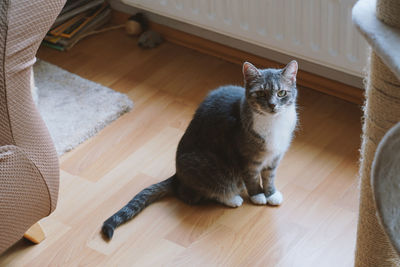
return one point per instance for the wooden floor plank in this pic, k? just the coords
(315, 226)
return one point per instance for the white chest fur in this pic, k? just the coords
(277, 129)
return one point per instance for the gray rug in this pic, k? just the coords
(74, 108)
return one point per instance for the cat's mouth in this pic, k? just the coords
(269, 111)
(272, 111)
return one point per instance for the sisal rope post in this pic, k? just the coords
(381, 112)
(388, 11)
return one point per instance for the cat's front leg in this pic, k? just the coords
(273, 196)
(254, 189)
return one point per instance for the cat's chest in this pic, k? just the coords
(276, 130)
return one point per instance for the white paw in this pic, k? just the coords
(275, 199)
(234, 202)
(259, 199)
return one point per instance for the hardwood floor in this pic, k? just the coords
(315, 226)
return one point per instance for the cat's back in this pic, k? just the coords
(226, 93)
(221, 102)
(217, 116)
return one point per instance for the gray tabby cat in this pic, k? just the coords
(236, 136)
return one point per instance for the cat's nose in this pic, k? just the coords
(272, 106)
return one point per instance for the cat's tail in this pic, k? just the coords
(138, 203)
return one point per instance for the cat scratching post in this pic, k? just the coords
(385, 181)
(381, 112)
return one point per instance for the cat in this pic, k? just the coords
(237, 136)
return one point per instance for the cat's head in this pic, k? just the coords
(270, 90)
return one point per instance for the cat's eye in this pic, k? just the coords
(282, 93)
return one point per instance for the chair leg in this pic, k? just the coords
(35, 234)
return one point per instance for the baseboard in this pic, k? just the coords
(307, 79)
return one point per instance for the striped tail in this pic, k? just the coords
(137, 204)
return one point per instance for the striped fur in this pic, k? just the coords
(137, 204)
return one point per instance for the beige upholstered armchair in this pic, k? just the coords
(29, 170)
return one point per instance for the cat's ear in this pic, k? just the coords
(250, 72)
(290, 71)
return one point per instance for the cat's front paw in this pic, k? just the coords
(275, 199)
(234, 202)
(259, 199)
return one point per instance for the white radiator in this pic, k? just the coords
(319, 31)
